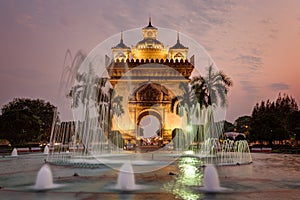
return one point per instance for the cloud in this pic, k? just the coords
(249, 86)
(25, 20)
(267, 21)
(271, 27)
(279, 86)
(253, 62)
(211, 13)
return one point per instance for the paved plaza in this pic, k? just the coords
(270, 176)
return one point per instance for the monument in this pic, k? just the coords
(148, 76)
(128, 98)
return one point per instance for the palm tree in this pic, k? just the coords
(116, 102)
(184, 104)
(89, 87)
(115, 108)
(89, 92)
(210, 91)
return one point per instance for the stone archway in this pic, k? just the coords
(152, 100)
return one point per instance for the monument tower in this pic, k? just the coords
(148, 76)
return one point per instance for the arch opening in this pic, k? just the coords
(150, 126)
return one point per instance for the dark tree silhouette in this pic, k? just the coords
(211, 89)
(26, 120)
(271, 120)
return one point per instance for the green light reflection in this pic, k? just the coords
(190, 175)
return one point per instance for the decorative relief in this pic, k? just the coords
(149, 93)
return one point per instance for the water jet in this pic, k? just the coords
(211, 182)
(46, 150)
(14, 152)
(126, 180)
(44, 179)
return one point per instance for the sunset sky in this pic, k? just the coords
(256, 43)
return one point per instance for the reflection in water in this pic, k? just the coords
(190, 175)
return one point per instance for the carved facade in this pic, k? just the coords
(147, 76)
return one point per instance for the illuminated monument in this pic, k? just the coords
(119, 91)
(148, 76)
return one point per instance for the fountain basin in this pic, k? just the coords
(256, 181)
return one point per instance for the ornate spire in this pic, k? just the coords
(149, 24)
(178, 45)
(121, 40)
(121, 45)
(150, 21)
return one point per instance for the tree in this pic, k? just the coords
(228, 127)
(93, 91)
(294, 124)
(89, 93)
(26, 120)
(183, 104)
(116, 104)
(211, 90)
(242, 124)
(202, 93)
(89, 87)
(115, 109)
(117, 139)
(272, 120)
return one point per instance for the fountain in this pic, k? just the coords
(211, 178)
(126, 179)
(99, 183)
(14, 152)
(44, 180)
(46, 150)
(211, 182)
(86, 138)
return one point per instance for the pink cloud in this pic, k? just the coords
(25, 20)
